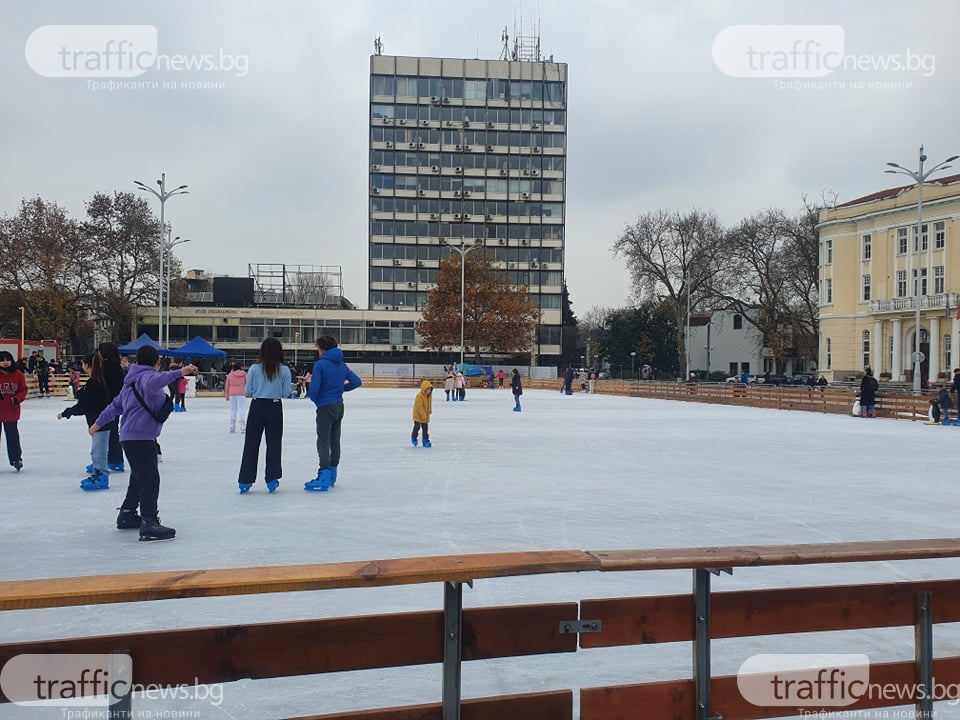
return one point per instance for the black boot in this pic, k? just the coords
(128, 520)
(151, 529)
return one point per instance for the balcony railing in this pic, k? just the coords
(942, 301)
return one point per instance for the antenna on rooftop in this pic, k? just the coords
(378, 45)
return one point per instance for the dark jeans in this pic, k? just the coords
(144, 486)
(43, 382)
(329, 420)
(264, 417)
(115, 451)
(416, 431)
(14, 451)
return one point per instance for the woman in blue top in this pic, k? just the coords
(267, 383)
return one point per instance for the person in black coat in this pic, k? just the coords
(868, 394)
(91, 400)
(517, 388)
(113, 377)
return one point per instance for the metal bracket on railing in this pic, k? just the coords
(119, 677)
(923, 652)
(701, 641)
(580, 627)
(452, 647)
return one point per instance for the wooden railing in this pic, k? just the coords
(449, 636)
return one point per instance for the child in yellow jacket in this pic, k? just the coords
(422, 407)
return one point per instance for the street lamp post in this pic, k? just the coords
(168, 248)
(633, 364)
(162, 197)
(21, 333)
(919, 178)
(464, 251)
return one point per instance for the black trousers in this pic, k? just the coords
(416, 431)
(43, 383)
(144, 486)
(115, 451)
(12, 433)
(329, 422)
(265, 417)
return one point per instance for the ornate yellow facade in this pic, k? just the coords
(870, 258)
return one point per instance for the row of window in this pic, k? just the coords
(467, 116)
(552, 257)
(413, 86)
(946, 350)
(478, 209)
(476, 140)
(427, 276)
(921, 241)
(920, 284)
(424, 160)
(474, 231)
(452, 183)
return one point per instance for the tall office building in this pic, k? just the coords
(464, 151)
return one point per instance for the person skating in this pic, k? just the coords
(92, 399)
(330, 379)
(268, 383)
(113, 375)
(13, 391)
(235, 391)
(516, 387)
(868, 394)
(140, 402)
(422, 408)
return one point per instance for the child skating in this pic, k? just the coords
(13, 391)
(91, 400)
(422, 407)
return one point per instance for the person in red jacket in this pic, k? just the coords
(13, 391)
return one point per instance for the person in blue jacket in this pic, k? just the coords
(330, 379)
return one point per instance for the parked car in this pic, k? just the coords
(801, 379)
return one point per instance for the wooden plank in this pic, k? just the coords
(760, 555)
(92, 590)
(555, 705)
(674, 699)
(669, 618)
(224, 654)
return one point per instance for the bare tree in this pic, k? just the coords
(671, 256)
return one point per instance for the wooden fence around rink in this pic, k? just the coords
(451, 634)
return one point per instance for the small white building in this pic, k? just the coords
(723, 341)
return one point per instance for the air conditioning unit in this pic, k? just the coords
(419, 263)
(489, 125)
(389, 144)
(424, 122)
(433, 216)
(456, 216)
(458, 169)
(467, 148)
(446, 100)
(466, 123)
(489, 148)
(386, 121)
(526, 172)
(435, 168)
(488, 217)
(456, 193)
(503, 241)
(393, 347)
(396, 262)
(504, 172)
(509, 265)
(466, 216)
(466, 193)
(459, 147)
(524, 242)
(536, 125)
(411, 285)
(449, 123)
(534, 172)
(376, 191)
(434, 99)
(374, 167)
(525, 196)
(420, 145)
(403, 122)
(537, 149)
(413, 145)
(422, 192)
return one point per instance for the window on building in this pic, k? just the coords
(733, 368)
(866, 287)
(829, 256)
(737, 322)
(946, 351)
(921, 242)
(901, 241)
(901, 283)
(938, 278)
(745, 367)
(828, 290)
(829, 354)
(867, 246)
(866, 348)
(922, 273)
(939, 235)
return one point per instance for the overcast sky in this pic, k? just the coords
(276, 158)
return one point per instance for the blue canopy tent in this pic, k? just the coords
(144, 339)
(198, 348)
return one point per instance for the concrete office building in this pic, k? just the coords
(464, 152)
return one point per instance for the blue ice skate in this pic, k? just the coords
(427, 444)
(272, 486)
(413, 441)
(96, 482)
(321, 483)
(516, 408)
(244, 487)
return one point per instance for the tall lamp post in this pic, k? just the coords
(162, 197)
(168, 248)
(21, 333)
(464, 251)
(919, 178)
(633, 364)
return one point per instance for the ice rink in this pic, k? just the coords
(581, 472)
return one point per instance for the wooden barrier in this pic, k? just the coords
(282, 649)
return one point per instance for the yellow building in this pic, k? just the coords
(870, 258)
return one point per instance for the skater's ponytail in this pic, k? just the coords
(95, 363)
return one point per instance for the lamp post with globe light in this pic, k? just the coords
(162, 196)
(464, 251)
(168, 247)
(919, 177)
